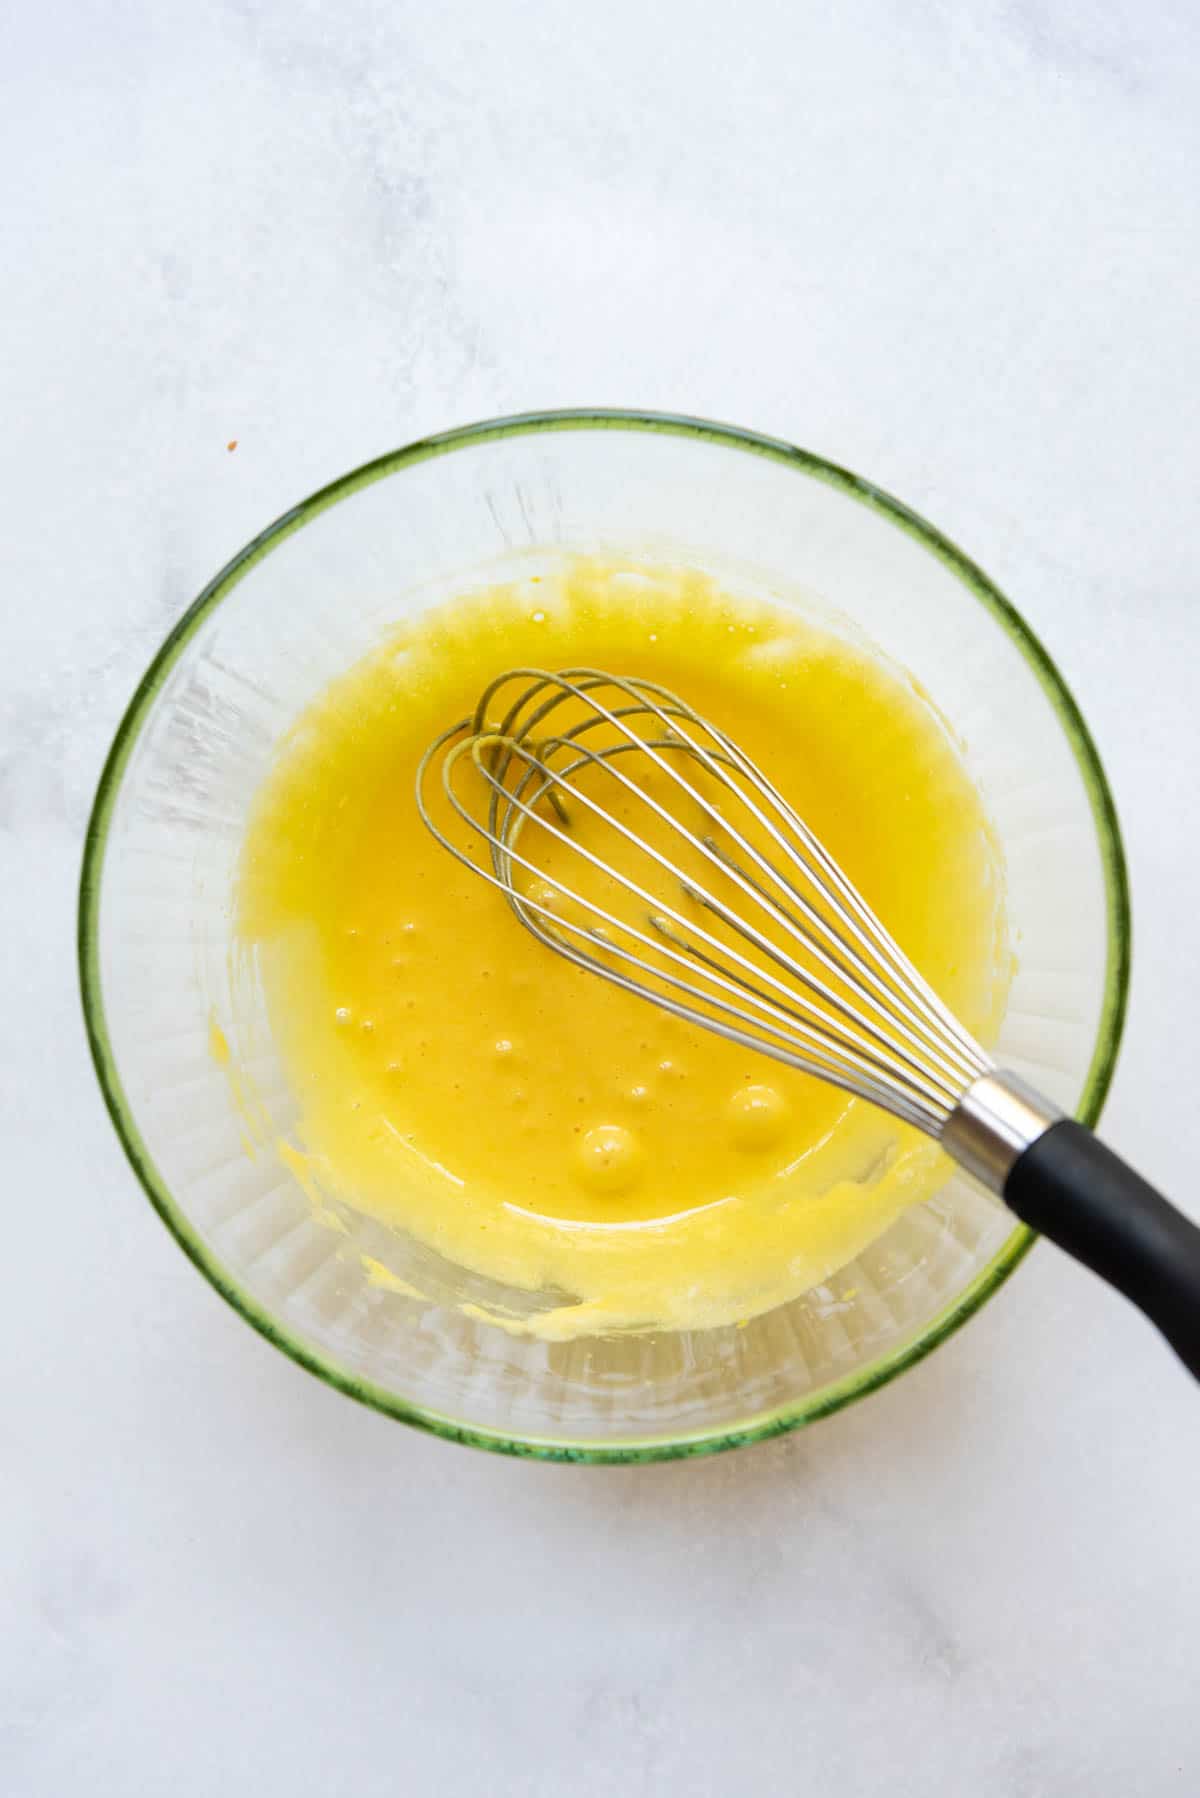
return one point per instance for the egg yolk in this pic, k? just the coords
(461, 1083)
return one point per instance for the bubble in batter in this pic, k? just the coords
(609, 1159)
(758, 1117)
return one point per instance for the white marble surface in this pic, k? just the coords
(955, 246)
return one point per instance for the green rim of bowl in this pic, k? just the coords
(783, 1418)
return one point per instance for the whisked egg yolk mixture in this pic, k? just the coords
(528, 1121)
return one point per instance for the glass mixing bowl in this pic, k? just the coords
(320, 588)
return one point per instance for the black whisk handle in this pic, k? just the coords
(1073, 1190)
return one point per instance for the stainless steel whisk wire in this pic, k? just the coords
(919, 1077)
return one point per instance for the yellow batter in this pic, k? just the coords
(524, 1118)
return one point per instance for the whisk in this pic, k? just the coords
(636, 839)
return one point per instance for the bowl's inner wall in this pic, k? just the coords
(325, 595)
